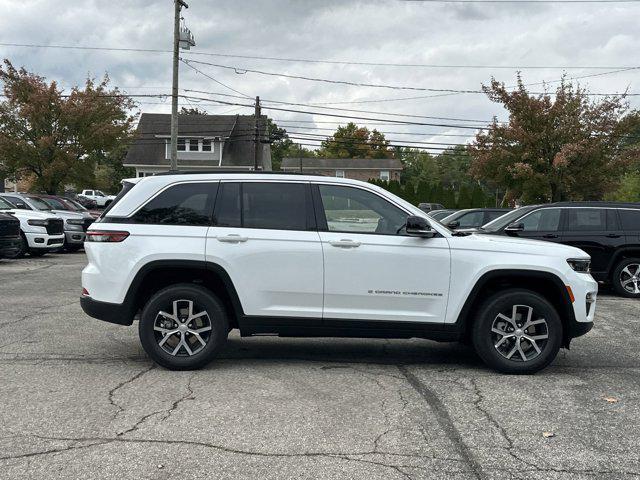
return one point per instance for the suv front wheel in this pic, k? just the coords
(517, 331)
(626, 278)
(182, 327)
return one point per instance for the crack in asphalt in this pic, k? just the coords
(38, 311)
(445, 421)
(112, 392)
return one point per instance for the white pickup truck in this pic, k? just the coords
(100, 198)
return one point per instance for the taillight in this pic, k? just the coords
(106, 236)
(85, 292)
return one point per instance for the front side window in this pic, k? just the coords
(585, 219)
(471, 219)
(545, 220)
(184, 204)
(353, 210)
(630, 220)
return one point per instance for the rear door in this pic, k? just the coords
(596, 231)
(264, 235)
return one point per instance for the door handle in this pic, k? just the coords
(232, 238)
(344, 243)
(613, 235)
(550, 235)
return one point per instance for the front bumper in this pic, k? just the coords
(44, 241)
(74, 237)
(585, 292)
(9, 246)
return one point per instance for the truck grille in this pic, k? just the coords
(55, 226)
(9, 227)
(87, 223)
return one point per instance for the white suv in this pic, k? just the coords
(101, 199)
(199, 254)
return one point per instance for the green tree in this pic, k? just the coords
(55, 139)
(192, 111)
(453, 167)
(423, 192)
(351, 141)
(282, 146)
(555, 147)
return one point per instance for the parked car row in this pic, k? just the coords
(37, 224)
(608, 231)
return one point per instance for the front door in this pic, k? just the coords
(264, 236)
(373, 269)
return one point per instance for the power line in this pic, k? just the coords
(244, 95)
(330, 62)
(522, 1)
(242, 71)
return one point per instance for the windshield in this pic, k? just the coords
(501, 222)
(99, 193)
(55, 203)
(39, 204)
(76, 206)
(5, 205)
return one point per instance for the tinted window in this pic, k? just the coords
(585, 219)
(185, 204)
(630, 219)
(545, 220)
(18, 201)
(55, 203)
(277, 206)
(354, 210)
(471, 219)
(228, 206)
(491, 216)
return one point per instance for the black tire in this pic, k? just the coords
(23, 247)
(485, 341)
(203, 300)
(38, 252)
(620, 275)
(72, 248)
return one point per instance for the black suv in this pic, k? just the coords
(608, 231)
(9, 235)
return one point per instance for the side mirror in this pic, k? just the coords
(514, 227)
(453, 225)
(419, 227)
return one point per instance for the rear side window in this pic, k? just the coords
(585, 219)
(274, 206)
(630, 219)
(184, 204)
(544, 220)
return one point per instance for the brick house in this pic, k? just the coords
(355, 168)
(205, 142)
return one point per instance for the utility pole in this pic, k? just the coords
(178, 4)
(300, 155)
(256, 157)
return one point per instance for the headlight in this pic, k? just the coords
(579, 264)
(38, 223)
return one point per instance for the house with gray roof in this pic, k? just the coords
(205, 142)
(356, 168)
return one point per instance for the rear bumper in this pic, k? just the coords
(117, 313)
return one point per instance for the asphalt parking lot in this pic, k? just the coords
(79, 399)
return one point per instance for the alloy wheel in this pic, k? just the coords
(183, 332)
(630, 278)
(517, 335)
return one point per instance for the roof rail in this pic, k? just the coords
(230, 172)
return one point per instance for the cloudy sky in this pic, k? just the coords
(573, 38)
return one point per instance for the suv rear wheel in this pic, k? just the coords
(517, 331)
(183, 327)
(626, 278)
(23, 247)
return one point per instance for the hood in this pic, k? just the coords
(500, 243)
(30, 214)
(68, 214)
